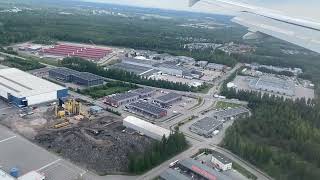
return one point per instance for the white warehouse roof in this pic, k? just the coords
(22, 84)
(151, 130)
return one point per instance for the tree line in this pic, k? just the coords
(159, 152)
(282, 137)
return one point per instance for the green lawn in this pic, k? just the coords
(224, 105)
(108, 89)
(243, 171)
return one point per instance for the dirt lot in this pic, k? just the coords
(99, 145)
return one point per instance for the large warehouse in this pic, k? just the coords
(273, 85)
(23, 89)
(147, 109)
(168, 99)
(81, 78)
(150, 130)
(206, 126)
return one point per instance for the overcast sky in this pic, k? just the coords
(308, 9)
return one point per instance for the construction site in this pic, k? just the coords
(75, 130)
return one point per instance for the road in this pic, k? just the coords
(196, 143)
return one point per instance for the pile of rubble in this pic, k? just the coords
(101, 145)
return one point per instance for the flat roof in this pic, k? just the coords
(5, 176)
(65, 71)
(131, 68)
(139, 61)
(203, 170)
(168, 97)
(70, 72)
(145, 106)
(160, 131)
(171, 174)
(207, 123)
(232, 112)
(33, 175)
(223, 159)
(88, 76)
(214, 65)
(123, 96)
(21, 84)
(142, 91)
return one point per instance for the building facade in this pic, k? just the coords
(220, 161)
(147, 109)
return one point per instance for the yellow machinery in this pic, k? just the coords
(70, 107)
(61, 125)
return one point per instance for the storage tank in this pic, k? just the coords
(14, 172)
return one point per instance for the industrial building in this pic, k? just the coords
(121, 99)
(186, 60)
(273, 85)
(136, 69)
(33, 175)
(139, 62)
(148, 68)
(215, 67)
(81, 78)
(168, 99)
(220, 161)
(147, 109)
(173, 70)
(231, 114)
(171, 174)
(148, 129)
(145, 92)
(65, 50)
(201, 170)
(202, 63)
(206, 126)
(23, 89)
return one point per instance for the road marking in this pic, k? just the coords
(50, 164)
(7, 139)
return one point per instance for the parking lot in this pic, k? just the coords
(16, 151)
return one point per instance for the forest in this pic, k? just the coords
(86, 66)
(24, 65)
(281, 137)
(158, 153)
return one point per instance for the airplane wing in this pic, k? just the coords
(262, 22)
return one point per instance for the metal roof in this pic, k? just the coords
(123, 96)
(207, 123)
(223, 159)
(150, 108)
(142, 91)
(215, 66)
(171, 174)
(88, 76)
(203, 170)
(22, 84)
(232, 112)
(64, 71)
(159, 131)
(131, 68)
(70, 72)
(168, 97)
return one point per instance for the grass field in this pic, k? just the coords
(243, 171)
(224, 105)
(108, 89)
